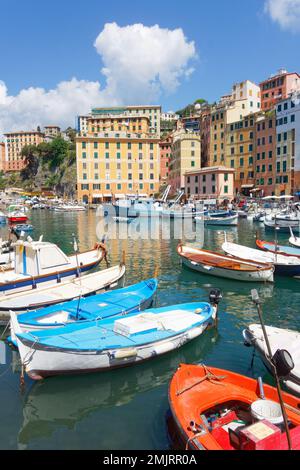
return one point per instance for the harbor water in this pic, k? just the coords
(126, 408)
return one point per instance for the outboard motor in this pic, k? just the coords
(283, 362)
(215, 296)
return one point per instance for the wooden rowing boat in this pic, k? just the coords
(209, 262)
(212, 409)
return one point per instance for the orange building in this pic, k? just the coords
(165, 147)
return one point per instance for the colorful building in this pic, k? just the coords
(278, 87)
(2, 156)
(165, 148)
(244, 101)
(210, 183)
(153, 113)
(288, 146)
(116, 156)
(15, 142)
(240, 142)
(265, 153)
(185, 156)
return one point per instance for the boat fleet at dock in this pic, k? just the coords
(64, 320)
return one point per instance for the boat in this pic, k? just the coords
(282, 223)
(279, 249)
(82, 286)
(293, 240)
(279, 338)
(113, 342)
(230, 220)
(69, 208)
(23, 228)
(2, 218)
(216, 409)
(284, 265)
(39, 263)
(85, 309)
(209, 262)
(123, 220)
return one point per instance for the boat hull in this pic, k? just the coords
(253, 337)
(261, 276)
(54, 362)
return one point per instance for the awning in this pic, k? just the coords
(107, 195)
(97, 195)
(120, 196)
(247, 186)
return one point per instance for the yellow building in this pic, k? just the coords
(185, 156)
(240, 148)
(152, 112)
(14, 143)
(116, 156)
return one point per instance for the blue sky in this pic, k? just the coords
(45, 43)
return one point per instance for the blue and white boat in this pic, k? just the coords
(38, 263)
(114, 342)
(95, 307)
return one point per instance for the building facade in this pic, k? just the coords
(210, 183)
(278, 87)
(240, 143)
(15, 142)
(153, 113)
(2, 156)
(265, 153)
(165, 148)
(185, 156)
(116, 156)
(52, 131)
(288, 146)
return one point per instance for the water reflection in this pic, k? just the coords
(62, 402)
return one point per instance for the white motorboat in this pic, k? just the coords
(45, 296)
(284, 265)
(39, 263)
(279, 338)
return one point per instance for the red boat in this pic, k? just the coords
(15, 218)
(215, 409)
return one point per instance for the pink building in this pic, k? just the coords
(2, 156)
(165, 147)
(210, 183)
(277, 88)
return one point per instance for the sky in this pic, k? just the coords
(60, 58)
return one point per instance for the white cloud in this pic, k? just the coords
(140, 63)
(285, 12)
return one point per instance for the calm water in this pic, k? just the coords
(126, 408)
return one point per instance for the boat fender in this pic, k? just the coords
(124, 353)
(163, 348)
(198, 311)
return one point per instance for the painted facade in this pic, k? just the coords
(210, 183)
(278, 87)
(185, 156)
